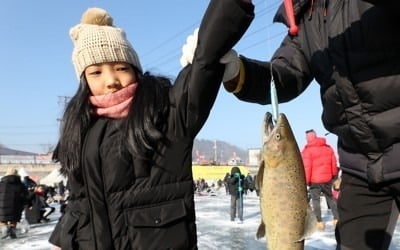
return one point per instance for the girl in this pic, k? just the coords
(127, 136)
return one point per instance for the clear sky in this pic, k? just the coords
(36, 70)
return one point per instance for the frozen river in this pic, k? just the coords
(215, 230)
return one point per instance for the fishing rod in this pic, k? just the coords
(293, 28)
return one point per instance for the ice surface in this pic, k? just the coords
(215, 230)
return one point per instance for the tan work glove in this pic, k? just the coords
(230, 59)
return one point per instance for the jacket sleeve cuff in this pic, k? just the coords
(242, 77)
(235, 85)
(55, 235)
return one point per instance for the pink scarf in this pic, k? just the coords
(115, 105)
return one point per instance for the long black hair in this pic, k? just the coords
(142, 130)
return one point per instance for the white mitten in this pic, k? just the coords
(232, 65)
(189, 48)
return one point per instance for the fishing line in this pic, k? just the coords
(273, 93)
(293, 30)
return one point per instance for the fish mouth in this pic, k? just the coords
(268, 127)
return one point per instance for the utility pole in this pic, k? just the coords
(215, 152)
(63, 101)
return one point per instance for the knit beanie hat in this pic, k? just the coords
(96, 40)
(235, 170)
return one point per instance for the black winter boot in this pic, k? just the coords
(12, 233)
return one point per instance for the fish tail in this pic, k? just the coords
(261, 230)
(309, 225)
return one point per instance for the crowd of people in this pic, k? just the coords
(22, 199)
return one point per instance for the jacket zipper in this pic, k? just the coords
(87, 191)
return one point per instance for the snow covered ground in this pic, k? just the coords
(215, 230)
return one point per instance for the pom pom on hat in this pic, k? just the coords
(97, 16)
(96, 40)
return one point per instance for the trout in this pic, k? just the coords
(286, 217)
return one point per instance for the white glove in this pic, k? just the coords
(232, 65)
(189, 48)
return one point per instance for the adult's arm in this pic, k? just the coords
(291, 74)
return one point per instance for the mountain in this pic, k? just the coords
(211, 150)
(205, 150)
(8, 151)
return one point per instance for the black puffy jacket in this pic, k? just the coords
(13, 197)
(351, 48)
(126, 203)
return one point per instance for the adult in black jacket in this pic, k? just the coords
(350, 48)
(128, 155)
(236, 185)
(38, 209)
(29, 183)
(13, 195)
(226, 182)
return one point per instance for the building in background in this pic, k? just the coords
(254, 156)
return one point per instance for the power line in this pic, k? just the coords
(174, 53)
(266, 40)
(191, 27)
(162, 44)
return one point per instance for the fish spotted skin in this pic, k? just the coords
(283, 191)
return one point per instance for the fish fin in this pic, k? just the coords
(261, 230)
(260, 175)
(310, 225)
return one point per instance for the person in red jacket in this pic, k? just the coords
(321, 169)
